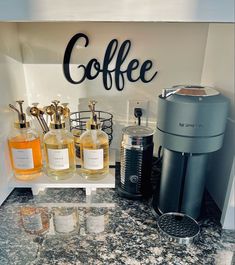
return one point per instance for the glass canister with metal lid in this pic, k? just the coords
(136, 162)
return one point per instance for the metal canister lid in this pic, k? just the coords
(137, 135)
(178, 227)
(138, 131)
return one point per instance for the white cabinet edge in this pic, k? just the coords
(114, 11)
(228, 212)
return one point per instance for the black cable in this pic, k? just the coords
(138, 114)
(159, 155)
(159, 151)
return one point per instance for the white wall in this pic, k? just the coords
(228, 214)
(177, 51)
(218, 71)
(12, 87)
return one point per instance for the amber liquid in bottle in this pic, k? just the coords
(98, 166)
(30, 164)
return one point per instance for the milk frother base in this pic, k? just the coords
(128, 195)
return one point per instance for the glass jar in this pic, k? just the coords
(76, 134)
(94, 151)
(25, 152)
(59, 153)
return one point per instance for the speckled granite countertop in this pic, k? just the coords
(130, 235)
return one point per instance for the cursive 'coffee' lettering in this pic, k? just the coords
(94, 67)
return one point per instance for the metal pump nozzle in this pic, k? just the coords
(22, 123)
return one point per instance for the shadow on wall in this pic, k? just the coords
(12, 87)
(7, 94)
(6, 116)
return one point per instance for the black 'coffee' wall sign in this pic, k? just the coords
(94, 67)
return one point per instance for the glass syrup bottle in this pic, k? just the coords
(94, 149)
(24, 147)
(59, 146)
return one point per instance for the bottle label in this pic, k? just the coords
(64, 223)
(33, 222)
(93, 159)
(58, 158)
(95, 224)
(23, 158)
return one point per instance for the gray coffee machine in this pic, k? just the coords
(191, 124)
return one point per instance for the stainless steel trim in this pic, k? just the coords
(133, 147)
(190, 90)
(176, 239)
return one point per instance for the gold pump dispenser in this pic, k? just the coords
(21, 123)
(58, 114)
(93, 123)
(38, 114)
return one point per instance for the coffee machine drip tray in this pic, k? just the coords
(178, 227)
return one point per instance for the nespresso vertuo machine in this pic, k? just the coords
(191, 124)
